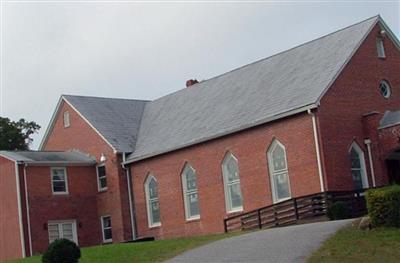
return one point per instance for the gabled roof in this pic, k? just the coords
(115, 120)
(389, 119)
(272, 88)
(49, 157)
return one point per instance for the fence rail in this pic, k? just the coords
(300, 208)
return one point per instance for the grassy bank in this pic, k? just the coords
(154, 251)
(354, 245)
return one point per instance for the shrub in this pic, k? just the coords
(384, 206)
(62, 251)
(338, 210)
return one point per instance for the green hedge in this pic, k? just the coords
(62, 251)
(384, 206)
(338, 210)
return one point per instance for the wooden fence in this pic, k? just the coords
(300, 208)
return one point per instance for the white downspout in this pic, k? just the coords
(21, 227)
(371, 164)
(128, 181)
(314, 123)
(27, 212)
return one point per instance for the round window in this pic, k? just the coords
(385, 89)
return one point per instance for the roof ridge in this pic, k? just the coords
(276, 54)
(98, 97)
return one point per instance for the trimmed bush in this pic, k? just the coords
(62, 251)
(338, 210)
(384, 206)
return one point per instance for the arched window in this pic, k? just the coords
(233, 194)
(278, 169)
(153, 205)
(190, 194)
(358, 171)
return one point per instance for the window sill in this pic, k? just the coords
(237, 210)
(155, 226)
(102, 190)
(192, 220)
(61, 194)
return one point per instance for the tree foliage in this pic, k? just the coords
(15, 135)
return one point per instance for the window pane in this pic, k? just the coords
(153, 189)
(193, 205)
(232, 169)
(191, 180)
(281, 182)
(107, 234)
(278, 157)
(356, 174)
(235, 195)
(103, 182)
(355, 159)
(106, 222)
(53, 232)
(101, 170)
(155, 211)
(59, 187)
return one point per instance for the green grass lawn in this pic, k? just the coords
(153, 251)
(353, 245)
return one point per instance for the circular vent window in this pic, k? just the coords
(384, 87)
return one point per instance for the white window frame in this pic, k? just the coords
(109, 240)
(101, 189)
(148, 200)
(66, 119)
(60, 233)
(66, 180)
(380, 47)
(272, 172)
(363, 170)
(187, 193)
(227, 184)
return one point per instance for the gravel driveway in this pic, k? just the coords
(277, 245)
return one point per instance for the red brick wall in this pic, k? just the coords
(250, 149)
(79, 204)
(81, 136)
(354, 93)
(10, 241)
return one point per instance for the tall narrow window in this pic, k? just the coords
(190, 194)
(380, 48)
(59, 182)
(358, 172)
(101, 178)
(62, 229)
(233, 194)
(106, 228)
(153, 205)
(66, 119)
(279, 174)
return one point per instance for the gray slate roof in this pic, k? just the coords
(49, 157)
(390, 118)
(117, 120)
(247, 96)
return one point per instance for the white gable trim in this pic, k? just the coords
(52, 122)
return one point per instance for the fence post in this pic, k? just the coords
(259, 218)
(295, 208)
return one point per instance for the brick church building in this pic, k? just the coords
(321, 116)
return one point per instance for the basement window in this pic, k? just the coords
(66, 119)
(380, 48)
(106, 228)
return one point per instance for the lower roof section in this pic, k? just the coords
(49, 157)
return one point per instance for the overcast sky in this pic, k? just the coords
(147, 50)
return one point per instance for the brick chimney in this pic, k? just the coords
(191, 82)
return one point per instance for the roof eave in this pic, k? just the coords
(260, 122)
